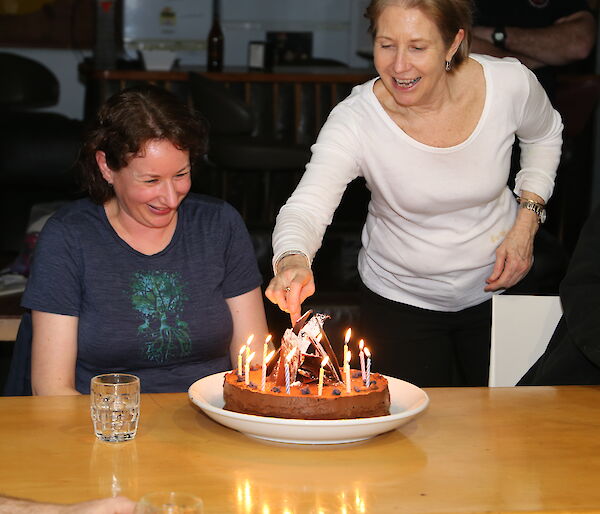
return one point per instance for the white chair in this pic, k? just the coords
(521, 329)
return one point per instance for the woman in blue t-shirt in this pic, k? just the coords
(142, 276)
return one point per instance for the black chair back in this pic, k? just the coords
(226, 113)
(26, 83)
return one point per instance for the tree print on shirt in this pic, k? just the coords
(159, 297)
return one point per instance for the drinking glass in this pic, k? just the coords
(115, 406)
(169, 503)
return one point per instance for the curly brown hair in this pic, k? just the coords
(448, 15)
(126, 122)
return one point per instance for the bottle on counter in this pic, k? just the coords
(215, 41)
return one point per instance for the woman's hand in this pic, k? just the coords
(293, 283)
(514, 256)
(116, 505)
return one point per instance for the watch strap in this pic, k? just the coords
(538, 208)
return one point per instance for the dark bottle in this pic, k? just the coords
(215, 41)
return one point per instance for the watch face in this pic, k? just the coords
(498, 37)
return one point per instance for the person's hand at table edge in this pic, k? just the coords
(293, 283)
(116, 505)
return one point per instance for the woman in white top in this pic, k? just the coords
(432, 136)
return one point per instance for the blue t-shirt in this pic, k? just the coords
(162, 317)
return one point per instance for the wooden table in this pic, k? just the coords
(473, 450)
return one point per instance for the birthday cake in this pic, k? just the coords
(305, 381)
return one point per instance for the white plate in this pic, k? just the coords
(407, 400)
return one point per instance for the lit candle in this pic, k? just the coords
(322, 372)
(266, 347)
(347, 370)
(361, 356)
(266, 361)
(346, 340)
(249, 340)
(368, 377)
(287, 370)
(242, 350)
(248, 361)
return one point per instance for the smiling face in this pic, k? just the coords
(150, 188)
(410, 55)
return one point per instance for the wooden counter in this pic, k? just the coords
(473, 450)
(324, 74)
(292, 102)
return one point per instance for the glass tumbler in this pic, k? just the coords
(115, 406)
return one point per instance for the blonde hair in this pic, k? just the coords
(449, 17)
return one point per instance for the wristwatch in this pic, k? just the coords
(499, 37)
(538, 208)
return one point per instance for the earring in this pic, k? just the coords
(448, 66)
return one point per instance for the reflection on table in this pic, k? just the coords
(473, 450)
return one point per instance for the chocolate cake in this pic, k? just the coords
(305, 347)
(303, 401)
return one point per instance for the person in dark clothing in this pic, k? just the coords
(573, 353)
(141, 276)
(542, 34)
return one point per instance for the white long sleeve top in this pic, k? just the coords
(436, 215)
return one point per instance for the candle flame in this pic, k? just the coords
(361, 344)
(290, 355)
(242, 349)
(325, 361)
(250, 338)
(269, 357)
(319, 337)
(348, 335)
(250, 357)
(367, 352)
(269, 337)
(348, 356)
